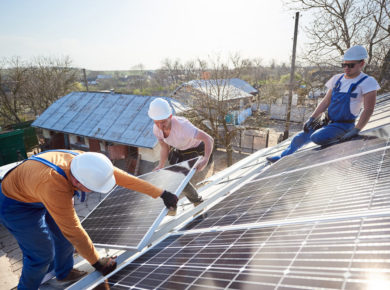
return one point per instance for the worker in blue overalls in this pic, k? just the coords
(347, 92)
(36, 206)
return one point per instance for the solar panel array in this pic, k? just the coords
(124, 217)
(380, 115)
(317, 219)
(352, 254)
(324, 154)
(317, 191)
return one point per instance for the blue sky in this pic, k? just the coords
(119, 34)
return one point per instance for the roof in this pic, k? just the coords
(243, 85)
(117, 118)
(223, 89)
(318, 218)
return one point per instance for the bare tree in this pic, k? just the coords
(33, 87)
(48, 80)
(174, 70)
(13, 76)
(340, 24)
(271, 90)
(212, 97)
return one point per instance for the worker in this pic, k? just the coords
(180, 140)
(36, 206)
(347, 92)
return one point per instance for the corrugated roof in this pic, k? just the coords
(111, 117)
(223, 89)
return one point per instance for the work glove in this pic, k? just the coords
(170, 200)
(105, 265)
(308, 124)
(350, 134)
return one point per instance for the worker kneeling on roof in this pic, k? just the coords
(180, 140)
(36, 206)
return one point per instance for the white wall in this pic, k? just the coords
(46, 133)
(151, 155)
(72, 139)
(298, 114)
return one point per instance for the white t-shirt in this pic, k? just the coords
(182, 135)
(366, 86)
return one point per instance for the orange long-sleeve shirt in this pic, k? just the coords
(33, 181)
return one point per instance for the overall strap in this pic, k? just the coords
(57, 168)
(354, 86)
(48, 163)
(59, 150)
(338, 83)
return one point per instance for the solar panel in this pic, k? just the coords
(340, 187)
(317, 219)
(126, 219)
(353, 254)
(324, 154)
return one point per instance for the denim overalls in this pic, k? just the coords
(43, 245)
(341, 120)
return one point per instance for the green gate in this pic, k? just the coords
(12, 147)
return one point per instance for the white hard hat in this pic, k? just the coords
(356, 52)
(159, 109)
(94, 170)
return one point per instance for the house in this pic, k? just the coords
(115, 124)
(235, 92)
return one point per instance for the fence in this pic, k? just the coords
(249, 141)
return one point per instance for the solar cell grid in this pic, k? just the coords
(345, 186)
(124, 217)
(319, 155)
(336, 255)
(381, 112)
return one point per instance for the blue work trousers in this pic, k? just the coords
(43, 245)
(323, 136)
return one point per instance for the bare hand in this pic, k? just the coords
(202, 164)
(158, 167)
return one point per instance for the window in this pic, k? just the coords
(80, 140)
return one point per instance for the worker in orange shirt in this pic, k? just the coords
(36, 206)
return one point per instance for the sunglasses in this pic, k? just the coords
(349, 65)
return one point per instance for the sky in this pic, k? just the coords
(120, 34)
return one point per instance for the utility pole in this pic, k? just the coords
(85, 79)
(292, 78)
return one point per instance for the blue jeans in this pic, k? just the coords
(43, 245)
(323, 136)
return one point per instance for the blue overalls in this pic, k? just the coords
(43, 245)
(341, 120)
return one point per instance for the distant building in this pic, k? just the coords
(117, 125)
(103, 77)
(237, 93)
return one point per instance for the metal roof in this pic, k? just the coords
(223, 89)
(108, 116)
(243, 85)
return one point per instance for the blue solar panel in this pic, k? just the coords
(125, 218)
(318, 219)
(349, 254)
(341, 187)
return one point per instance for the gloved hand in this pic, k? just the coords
(105, 265)
(170, 200)
(350, 134)
(307, 125)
